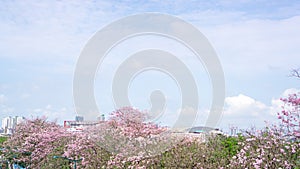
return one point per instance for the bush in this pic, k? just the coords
(267, 150)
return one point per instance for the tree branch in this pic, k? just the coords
(295, 73)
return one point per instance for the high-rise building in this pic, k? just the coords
(79, 118)
(9, 123)
(101, 118)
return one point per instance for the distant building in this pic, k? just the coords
(9, 124)
(233, 130)
(200, 129)
(79, 118)
(101, 118)
(79, 123)
(202, 132)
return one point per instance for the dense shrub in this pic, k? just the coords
(267, 150)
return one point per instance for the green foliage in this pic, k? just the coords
(230, 145)
(221, 149)
(2, 140)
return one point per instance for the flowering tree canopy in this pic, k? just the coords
(290, 115)
(127, 140)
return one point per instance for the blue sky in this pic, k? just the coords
(257, 43)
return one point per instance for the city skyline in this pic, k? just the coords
(8, 124)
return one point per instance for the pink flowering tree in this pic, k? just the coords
(82, 146)
(37, 141)
(125, 138)
(290, 115)
(276, 147)
(129, 137)
(34, 141)
(133, 123)
(267, 149)
(128, 140)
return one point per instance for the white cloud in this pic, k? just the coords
(287, 92)
(251, 46)
(276, 106)
(244, 111)
(241, 110)
(277, 103)
(2, 98)
(48, 107)
(50, 29)
(242, 104)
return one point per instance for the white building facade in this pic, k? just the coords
(9, 124)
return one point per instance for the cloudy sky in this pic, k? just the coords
(257, 43)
